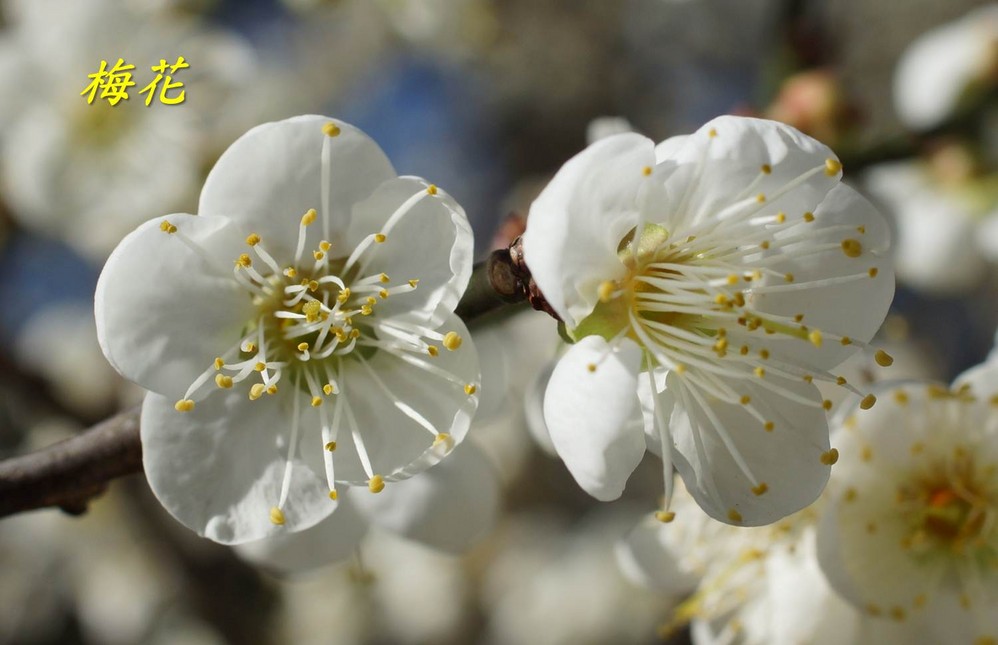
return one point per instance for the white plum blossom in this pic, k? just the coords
(910, 532)
(294, 335)
(939, 68)
(718, 275)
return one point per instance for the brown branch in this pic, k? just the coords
(70, 473)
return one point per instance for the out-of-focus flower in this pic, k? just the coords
(92, 172)
(943, 66)
(732, 266)
(555, 583)
(813, 102)
(910, 531)
(946, 215)
(341, 294)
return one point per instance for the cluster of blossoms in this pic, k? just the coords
(901, 548)
(708, 282)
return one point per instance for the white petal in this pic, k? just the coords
(431, 242)
(645, 559)
(399, 446)
(533, 407)
(272, 175)
(668, 149)
(450, 506)
(786, 459)
(587, 411)
(147, 292)
(219, 468)
(576, 223)
(855, 308)
(331, 540)
(721, 163)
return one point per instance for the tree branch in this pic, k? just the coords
(70, 473)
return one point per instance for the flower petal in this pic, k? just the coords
(427, 238)
(787, 459)
(234, 454)
(273, 174)
(733, 158)
(331, 540)
(386, 412)
(855, 305)
(147, 291)
(587, 413)
(576, 223)
(450, 506)
(645, 557)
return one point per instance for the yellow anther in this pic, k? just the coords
(333, 495)
(470, 389)
(721, 346)
(734, 515)
(313, 285)
(324, 245)
(167, 227)
(850, 494)
(789, 277)
(330, 446)
(354, 333)
(413, 282)
(665, 516)
(732, 279)
(432, 350)
(605, 291)
(276, 516)
(431, 190)
(219, 363)
(646, 171)
(897, 613)
(840, 380)
(745, 400)
(244, 261)
(384, 278)
(873, 272)
(318, 255)
(739, 299)
(331, 129)
(781, 217)
(366, 310)
(442, 437)
(760, 372)
(760, 489)
(760, 198)
(271, 389)
(808, 378)
(302, 347)
(260, 366)
(809, 216)
(680, 369)
(766, 169)
(832, 167)
(253, 239)
(379, 237)
(852, 248)
(764, 354)
(328, 389)
(383, 294)
(743, 350)
(311, 310)
(223, 381)
(868, 402)
(308, 217)
(861, 230)
(920, 600)
(901, 397)
(343, 295)
(290, 272)
(256, 391)
(815, 337)
(316, 401)
(883, 358)
(183, 405)
(721, 299)
(846, 340)
(371, 300)
(827, 404)
(768, 426)
(764, 244)
(452, 340)
(712, 133)
(376, 484)
(829, 458)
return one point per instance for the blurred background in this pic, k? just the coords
(486, 98)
